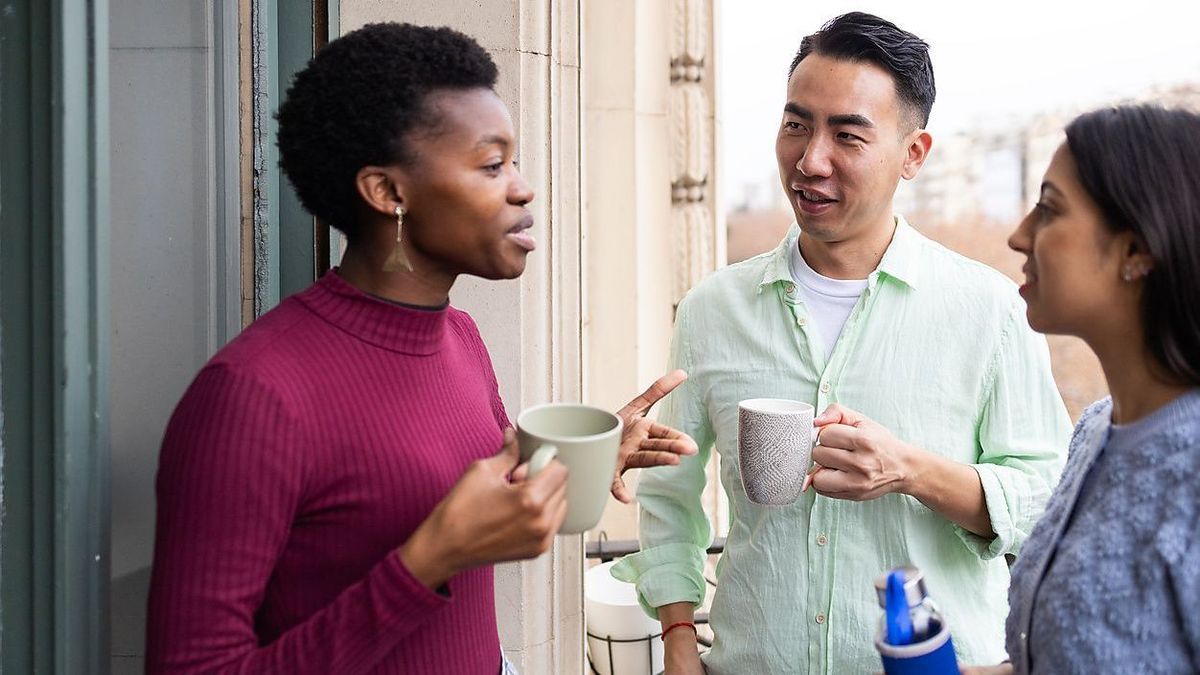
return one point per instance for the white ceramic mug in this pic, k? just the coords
(584, 438)
(775, 442)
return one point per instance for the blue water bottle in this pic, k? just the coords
(913, 638)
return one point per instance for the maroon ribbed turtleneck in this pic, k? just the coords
(300, 459)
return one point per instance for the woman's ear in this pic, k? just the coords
(381, 188)
(1137, 261)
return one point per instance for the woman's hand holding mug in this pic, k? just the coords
(486, 518)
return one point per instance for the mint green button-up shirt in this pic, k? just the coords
(938, 351)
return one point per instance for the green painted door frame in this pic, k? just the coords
(291, 248)
(54, 336)
(54, 306)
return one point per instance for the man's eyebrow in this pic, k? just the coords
(798, 111)
(851, 120)
(844, 120)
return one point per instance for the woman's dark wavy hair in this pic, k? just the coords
(861, 37)
(1141, 165)
(356, 103)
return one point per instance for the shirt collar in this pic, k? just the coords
(900, 261)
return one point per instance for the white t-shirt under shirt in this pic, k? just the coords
(829, 301)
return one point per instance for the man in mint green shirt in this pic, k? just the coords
(942, 432)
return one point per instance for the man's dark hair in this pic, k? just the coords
(862, 37)
(1139, 164)
(358, 100)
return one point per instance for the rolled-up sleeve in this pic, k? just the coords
(1023, 434)
(674, 531)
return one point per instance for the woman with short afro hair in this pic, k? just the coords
(337, 482)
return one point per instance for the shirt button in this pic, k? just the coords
(1022, 637)
(824, 387)
(820, 618)
(790, 289)
(801, 321)
(821, 540)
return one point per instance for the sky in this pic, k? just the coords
(994, 63)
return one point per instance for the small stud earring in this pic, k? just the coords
(398, 260)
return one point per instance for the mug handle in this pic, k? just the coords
(540, 458)
(816, 440)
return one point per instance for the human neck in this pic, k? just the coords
(1134, 378)
(362, 268)
(853, 258)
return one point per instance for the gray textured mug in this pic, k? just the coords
(584, 438)
(775, 443)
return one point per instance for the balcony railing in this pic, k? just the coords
(605, 550)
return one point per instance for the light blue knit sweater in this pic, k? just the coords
(1109, 579)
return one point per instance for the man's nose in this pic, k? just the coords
(814, 163)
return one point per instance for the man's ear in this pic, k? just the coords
(919, 143)
(381, 188)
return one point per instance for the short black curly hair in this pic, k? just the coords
(356, 102)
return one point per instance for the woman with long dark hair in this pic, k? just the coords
(330, 497)
(1109, 579)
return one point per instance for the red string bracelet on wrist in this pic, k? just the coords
(675, 625)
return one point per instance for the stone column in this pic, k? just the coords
(694, 222)
(651, 224)
(531, 325)
(627, 154)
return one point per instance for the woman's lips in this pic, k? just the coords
(1030, 280)
(521, 235)
(523, 239)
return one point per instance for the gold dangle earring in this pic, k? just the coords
(398, 260)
